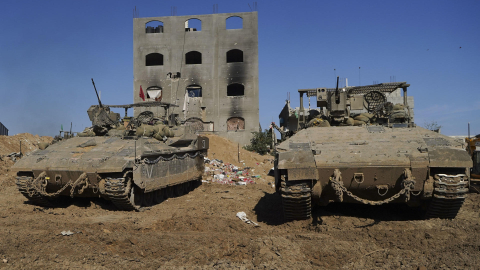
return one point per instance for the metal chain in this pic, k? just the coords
(174, 156)
(36, 186)
(408, 184)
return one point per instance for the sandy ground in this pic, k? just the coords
(200, 230)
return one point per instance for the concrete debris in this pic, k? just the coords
(271, 172)
(67, 233)
(225, 173)
(243, 217)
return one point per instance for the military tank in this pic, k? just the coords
(132, 162)
(363, 148)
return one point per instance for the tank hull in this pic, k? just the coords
(371, 165)
(132, 173)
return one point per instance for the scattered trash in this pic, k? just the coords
(243, 217)
(271, 172)
(225, 173)
(67, 233)
(5, 261)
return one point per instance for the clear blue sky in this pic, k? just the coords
(49, 50)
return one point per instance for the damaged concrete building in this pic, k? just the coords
(205, 64)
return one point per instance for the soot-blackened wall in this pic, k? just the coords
(206, 55)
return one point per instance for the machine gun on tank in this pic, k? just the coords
(103, 119)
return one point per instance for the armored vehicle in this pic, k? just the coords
(135, 162)
(362, 148)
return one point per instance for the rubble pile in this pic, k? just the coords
(225, 173)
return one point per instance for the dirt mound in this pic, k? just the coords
(227, 151)
(11, 144)
(29, 142)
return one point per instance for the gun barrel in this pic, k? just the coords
(99, 101)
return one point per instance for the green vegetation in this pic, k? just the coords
(260, 142)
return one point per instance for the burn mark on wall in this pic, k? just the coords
(236, 76)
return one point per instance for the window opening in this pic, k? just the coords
(193, 25)
(235, 89)
(234, 55)
(154, 27)
(154, 59)
(235, 123)
(155, 93)
(193, 57)
(194, 91)
(234, 22)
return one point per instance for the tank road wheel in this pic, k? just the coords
(296, 200)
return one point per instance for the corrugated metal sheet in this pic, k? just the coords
(3, 130)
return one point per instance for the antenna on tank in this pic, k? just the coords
(359, 80)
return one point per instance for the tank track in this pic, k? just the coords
(116, 191)
(23, 185)
(296, 200)
(448, 197)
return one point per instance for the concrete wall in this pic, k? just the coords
(214, 74)
(3, 130)
(396, 97)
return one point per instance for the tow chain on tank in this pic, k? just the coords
(39, 185)
(336, 181)
(448, 195)
(296, 200)
(24, 186)
(174, 156)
